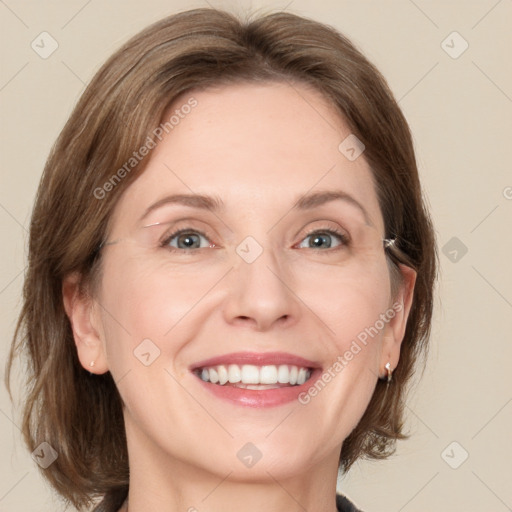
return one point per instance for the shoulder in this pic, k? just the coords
(343, 504)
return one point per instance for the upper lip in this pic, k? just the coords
(257, 359)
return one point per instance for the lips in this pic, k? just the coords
(257, 359)
(256, 379)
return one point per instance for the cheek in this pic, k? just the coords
(142, 313)
(350, 307)
(145, 295)
(142, 300)
(347, 302)
(133, 311)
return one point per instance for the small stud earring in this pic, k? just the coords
(91, 364)
(389, 370)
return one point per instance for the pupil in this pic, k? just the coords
(188, 240)
(320, 238)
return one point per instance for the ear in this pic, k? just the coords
(395, 329)
(83, 316)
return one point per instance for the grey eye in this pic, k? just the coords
(323, 239)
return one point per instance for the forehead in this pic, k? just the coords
(258, 147)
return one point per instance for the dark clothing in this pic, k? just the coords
(343, 504)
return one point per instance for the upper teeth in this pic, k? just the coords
(251, 374)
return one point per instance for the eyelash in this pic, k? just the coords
(344, 239)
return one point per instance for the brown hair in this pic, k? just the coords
(122, 106)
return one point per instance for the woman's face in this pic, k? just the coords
(245, 291)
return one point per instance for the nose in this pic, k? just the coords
(261, 294)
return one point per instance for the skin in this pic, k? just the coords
(258, 148)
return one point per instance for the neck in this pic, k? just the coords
(271, 497)
(168, 485)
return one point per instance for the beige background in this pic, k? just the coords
(460, 111)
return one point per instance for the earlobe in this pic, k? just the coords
(79, 307)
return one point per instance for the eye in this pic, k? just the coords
(188, 238)
(184, 239)
(323, 239)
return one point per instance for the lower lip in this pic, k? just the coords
(260, 397)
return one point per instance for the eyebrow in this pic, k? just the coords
(215, 203)
(310, 201)
(200, 201)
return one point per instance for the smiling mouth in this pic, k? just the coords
(254, 377)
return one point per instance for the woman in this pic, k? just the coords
(231, 272)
